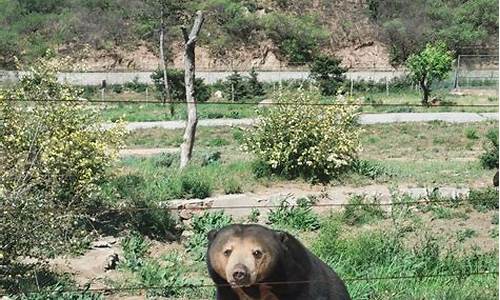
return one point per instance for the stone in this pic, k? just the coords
(185, 214)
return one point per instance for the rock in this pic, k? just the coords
(111, 262)
(185, 214)
(186, 234)
(104, 242)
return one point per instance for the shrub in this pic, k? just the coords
(177, 86)
(135, 86)
(484, 199)
(202, 225)
(298, 216)
(328, 74)
(371, 169)
(134, 249)
(54, 156)
(194, 186)
(359, 210)
(261, 169)
(297, 137)
(489, 159)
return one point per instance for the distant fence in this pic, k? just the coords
(96, 78)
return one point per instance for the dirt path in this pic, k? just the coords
(452, 117)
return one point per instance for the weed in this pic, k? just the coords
(217, 142)
(484, 199)
(167, 274)
(164, 160)
(238, 135)
(194, 186)
(360, 210)
(232, 186)
(202, 224)
(298, 216)
(371, 169)
(254, 215)
(211, 158)
(471, 133)
(465, 234)
(135, 248)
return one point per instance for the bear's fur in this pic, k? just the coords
(268, 265)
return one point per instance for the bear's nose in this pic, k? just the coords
(240, 273)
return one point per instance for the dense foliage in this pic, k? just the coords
(301, 138)
(177, 86)
(407, 26)
(54, 156)
(431, 64)
(328, 74)
(489, 159)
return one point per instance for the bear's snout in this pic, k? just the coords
(240, 274)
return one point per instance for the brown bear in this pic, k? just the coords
(254, 262)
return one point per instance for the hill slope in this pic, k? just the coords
(239, 34)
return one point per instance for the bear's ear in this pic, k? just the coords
(212, 234)
(282, 236)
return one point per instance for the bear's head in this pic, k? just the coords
(244, 254)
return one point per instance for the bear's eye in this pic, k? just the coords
(257, 254)
(227, 252)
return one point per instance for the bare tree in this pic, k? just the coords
(189, 72)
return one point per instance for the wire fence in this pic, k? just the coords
(247, 103)
(145, 288)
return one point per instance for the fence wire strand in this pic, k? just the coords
(145, 101)
(282, 283)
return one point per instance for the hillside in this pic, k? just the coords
(239, 34)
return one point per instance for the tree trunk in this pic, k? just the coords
(163, 65)
(426, 91)
(189, 70)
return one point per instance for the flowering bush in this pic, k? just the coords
(53, 157)
(297, 137)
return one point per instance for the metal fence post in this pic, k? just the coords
(455, 85)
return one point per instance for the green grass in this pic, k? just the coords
(382, 252)
(159, 112)
(154, 180)
(434, 153)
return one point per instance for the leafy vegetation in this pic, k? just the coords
(53, 158)
(361, 210)
(299, 216)
(201, 226)
(296, 142)
(407, 26)
(328, 74)
(489, 159)
(432, 64)
(177, 86)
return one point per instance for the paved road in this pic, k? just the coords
(452, 117)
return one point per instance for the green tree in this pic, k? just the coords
(328, 73)
(235, 87)
(255, 87)
(176, 84)
(431, 64)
